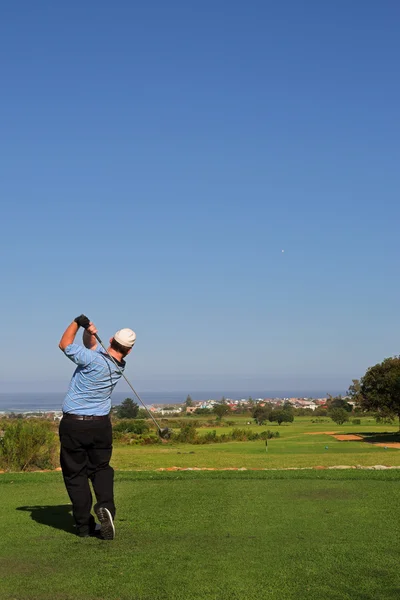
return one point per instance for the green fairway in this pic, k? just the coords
(222, 536)
(299, 445)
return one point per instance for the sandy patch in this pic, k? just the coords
(388, 445)
(349, 437)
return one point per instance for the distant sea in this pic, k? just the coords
(47, 401)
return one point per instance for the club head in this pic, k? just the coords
(165, 433)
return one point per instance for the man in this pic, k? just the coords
(85, 429)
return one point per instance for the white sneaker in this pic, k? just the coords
(107, 528)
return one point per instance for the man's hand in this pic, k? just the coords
(92, 329)
(82, 321)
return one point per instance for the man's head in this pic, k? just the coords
(123, 341)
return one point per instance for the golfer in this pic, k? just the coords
(85, 428)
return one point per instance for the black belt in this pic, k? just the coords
(85, 417)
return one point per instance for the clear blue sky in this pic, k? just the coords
(156, 158)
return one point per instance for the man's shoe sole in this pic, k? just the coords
(107, 524)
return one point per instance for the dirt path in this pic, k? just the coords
(387, 445)
(318, 467)
(320, 432)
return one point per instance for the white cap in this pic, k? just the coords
(125, 337)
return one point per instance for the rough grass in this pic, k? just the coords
(210, 536)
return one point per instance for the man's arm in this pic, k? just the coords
(68, 336)
(71, 331)
(89, 340)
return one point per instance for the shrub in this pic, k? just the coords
(187, 433)
(385, 418)
(211, 436)
(240, 435)
(28, 445)
(237, 435)
(134, 439)
(356, 421)
(129, 426)
(151, 438)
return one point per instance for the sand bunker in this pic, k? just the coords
(349, 437)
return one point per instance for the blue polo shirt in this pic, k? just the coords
(93, 381)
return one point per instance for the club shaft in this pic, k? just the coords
(128, 382)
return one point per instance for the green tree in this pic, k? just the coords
(261, 414)
(354, 390)
(380, 388)
(287, 406)
(250, 405)
(321, 412)
(128, 409)
(338, 402)
(339, 415)
(221, 409)
(281, 416)
(188, 401)
(203, 411)
(303, 412)
(385, 418)
(142, 414)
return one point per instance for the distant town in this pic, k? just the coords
(234, 405)
(190, 406)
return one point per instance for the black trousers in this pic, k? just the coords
(86, 448)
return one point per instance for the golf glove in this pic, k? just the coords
(82, 321)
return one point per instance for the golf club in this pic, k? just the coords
(164, 433)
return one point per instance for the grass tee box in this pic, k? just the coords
(216, 535)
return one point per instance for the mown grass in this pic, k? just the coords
(207, 536)
(294, 448)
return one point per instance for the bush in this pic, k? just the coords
(134, 439)
(210, 437)
(203, 411)
(187, 434)
(237, 435)
(28, 445)
(384, 419)
(151, 438)
(240, 435)
(356, 421)
(129, 426)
